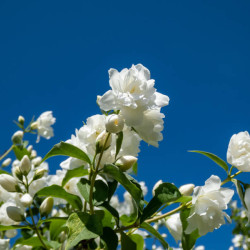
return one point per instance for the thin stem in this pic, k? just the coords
(6, 153)
(229, 178)
(36, 229)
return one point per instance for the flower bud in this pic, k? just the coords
(102, 142)
(6, 162)
(29, 148)
(34, 125)
(157, 184)
(114, 123)
(186, 189)
(33, 154)
(39, 174)
(17, 137)
(18, 173)
(126, 162)
(98, 98)
(26, 200)
(25, 165)
(10, 234)
(36, 161)
(21, 119)
(8, 182)
(46, 206)
(15, 213)
(5, 243)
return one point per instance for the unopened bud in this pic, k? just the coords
(186, 189)
(36, 161)
(98, 99)
(17, 137)
(8, 182)
(114, 123)
(10, 234)
(126, 162)
(6, 162)
(21, 119)
(39, 174)
(26, 200)
(103, 141)
(33, 154)
(15, 213)
(25, 165)
(157, 184)
(29, 148)
(18, 173)
(46, 206)
(34, 125)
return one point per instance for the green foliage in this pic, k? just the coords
(83, 226)
(240, 190)
(214, 158)
(56, 227)
(118, 143)
(188, 240)
(20, 151)
(76, 172)
(114, 172)
(166, 192)
(4, 228)
(127, 243)
(109, 239)
(59, 192)
(155, 233)
(138, 239)
(100, 192)
(67, 149)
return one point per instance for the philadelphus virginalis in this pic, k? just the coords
(207, 204)
(133, 93)
(238, 153)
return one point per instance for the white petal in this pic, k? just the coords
(161, 100)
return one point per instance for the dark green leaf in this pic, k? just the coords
(110, 239)
(127, 243)
(214, 158)
(107, 218)
(100, 192)
(67, 149)
(119, 176)
(188, 240)
(166, 192)
(112, 188)
(118, 143)
(59, 192)
(155, 233)
(83, 226)
(112, 210)
(20, 151)
(76, 172)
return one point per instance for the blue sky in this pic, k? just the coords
(55, 55)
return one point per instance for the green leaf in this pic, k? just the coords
(155, 233)
(76, 172)
(131, 219)
(112, 211)
(20, 151)
(4, 172)
(107, 218)
(127, 243)
(100, 192)
(4, 228)
(59, 192)
(83, 226)
(138, 239)
(184, 199)
(118, 143)
(52, 219)
(67, 149)
(188, 240)
(109, 238)
(214, 158)
(166, 192)
(135, 168)
(112, 188)
(56, 227)
(240, 191)
(119, 176)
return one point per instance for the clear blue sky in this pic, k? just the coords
(54, 55)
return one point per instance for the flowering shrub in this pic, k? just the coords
(77, 208)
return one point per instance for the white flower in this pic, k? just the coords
(207, 204)
(8, 182)
(26, 200)
(238, 240)
(4, 244)
(238, 153)
(44, 123)
(174, 226)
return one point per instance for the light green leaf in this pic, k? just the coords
(214, 158)
(59, 192)
(184, 199)
(112, 211)
(155, 233)
(138, 239)
(56, 227)
(107, 218)
(4, 228)
(76, 172)
(67, 149)
(20, 151)
(83, 226)
(4, 172)
(166, 192)
(52, 219)
(119, 176)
